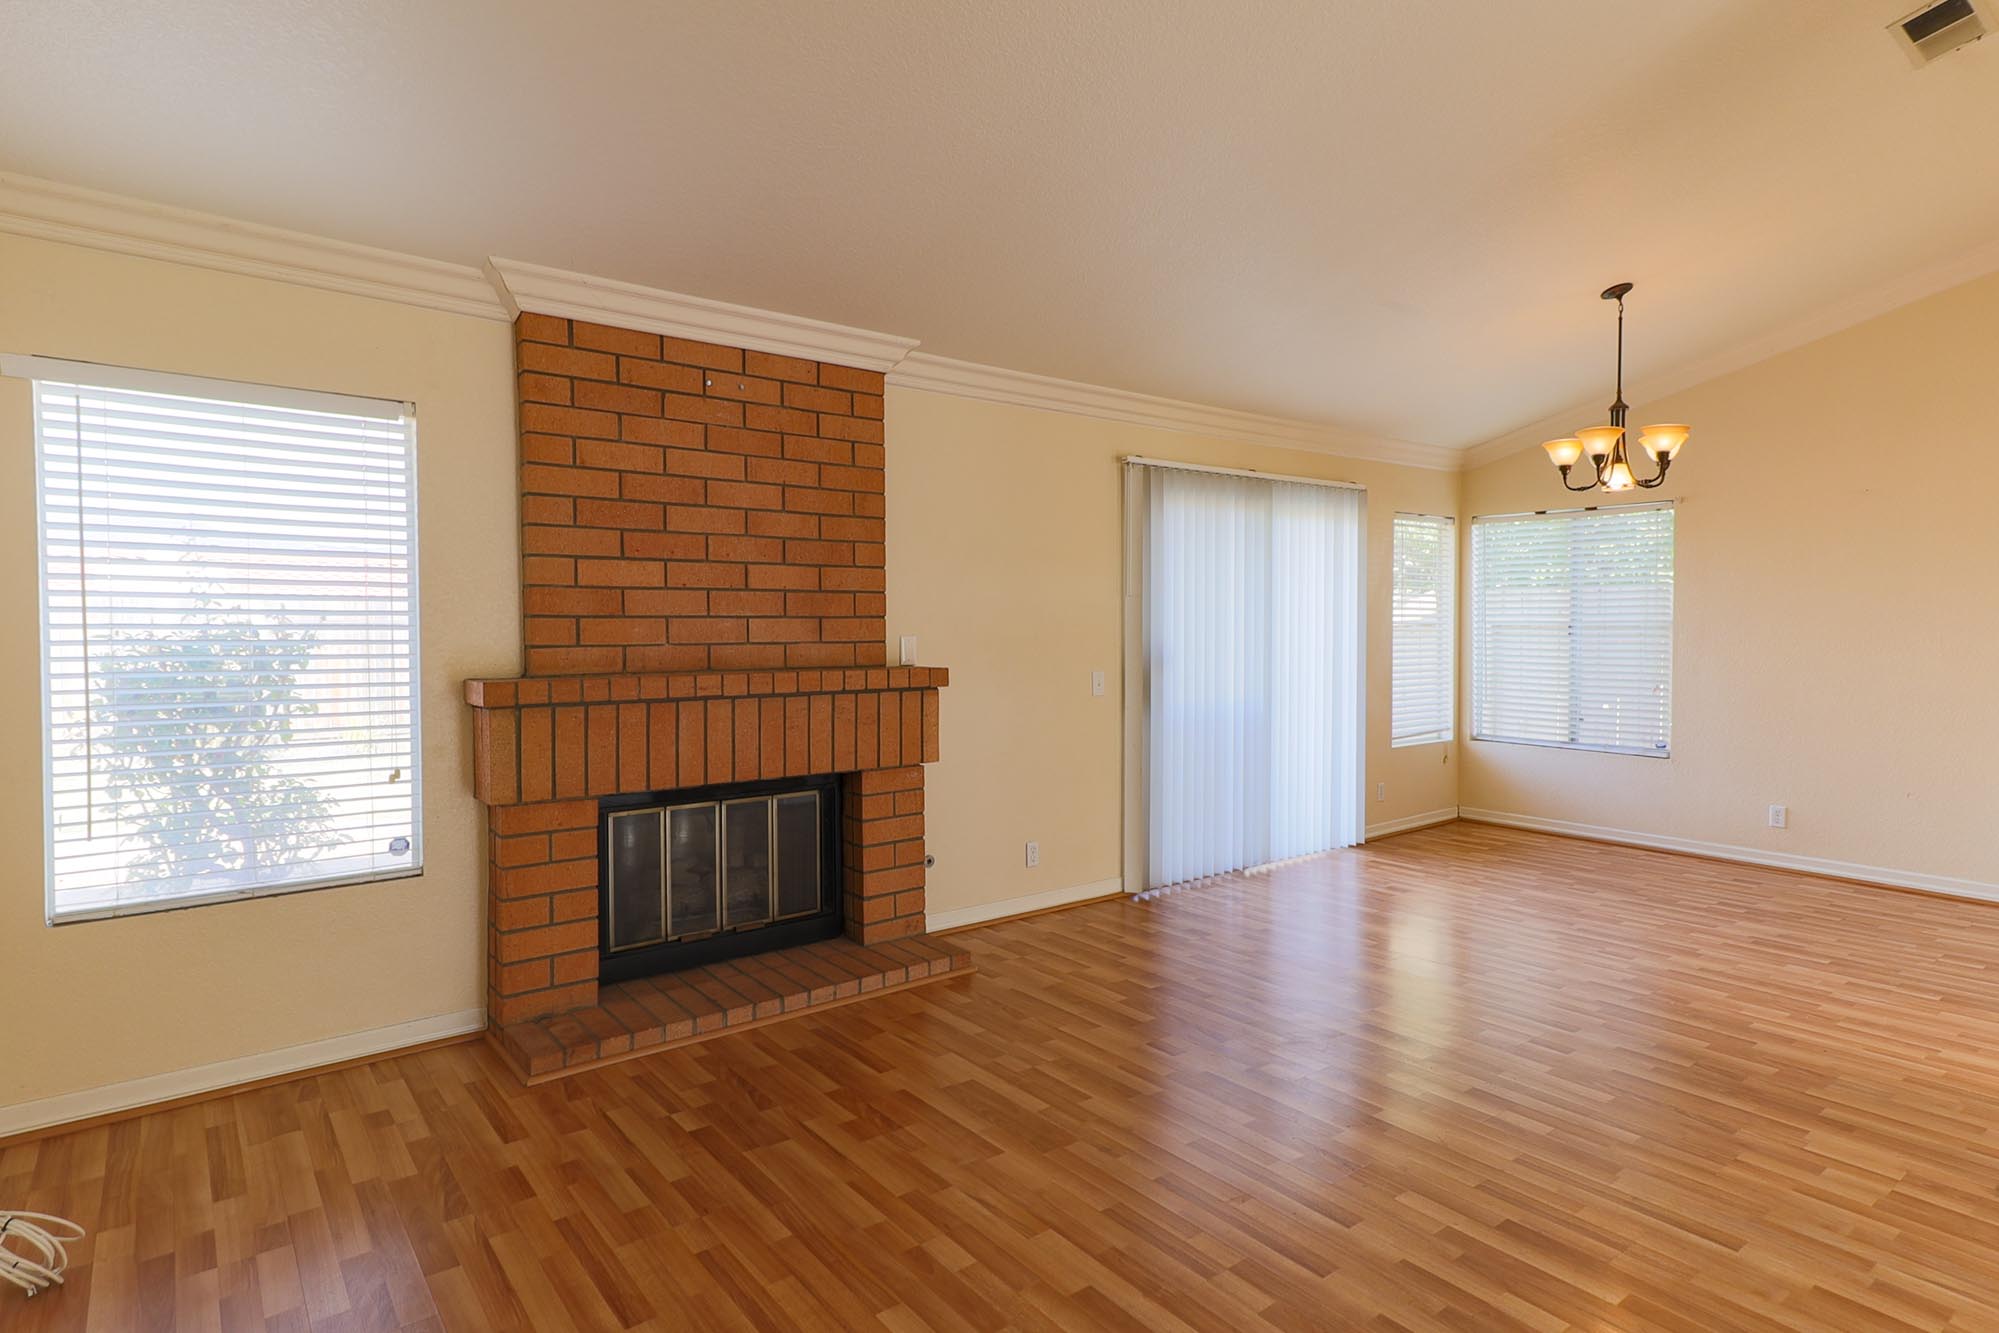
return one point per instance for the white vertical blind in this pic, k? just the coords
(229, 642)
(1252, 632)
(1423, 627)
(1572, 628)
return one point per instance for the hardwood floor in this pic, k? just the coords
(1468, 1078)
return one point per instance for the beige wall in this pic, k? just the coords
(1837, 607)
(103, 1002)
(1004, 559)
(1837, 618)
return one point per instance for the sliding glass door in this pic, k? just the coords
(1251, 638)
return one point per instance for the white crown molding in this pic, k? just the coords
(553, 291)
(525, 287)
(50, 211)
(134, 1094)
(1822, 323)
(1947, 885)
(994, 384)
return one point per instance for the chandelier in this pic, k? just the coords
(1605, 445)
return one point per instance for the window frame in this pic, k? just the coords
(1449, 732)
(40, 371)
(1671, 506)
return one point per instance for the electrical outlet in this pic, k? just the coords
(1380, 792)
(1033, 855)
(1780, 817)
(1096, 682)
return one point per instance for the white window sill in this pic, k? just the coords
(78, 915)
(1630, 751)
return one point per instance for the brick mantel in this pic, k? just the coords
(558, 738)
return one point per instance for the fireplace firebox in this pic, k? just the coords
(697, 875)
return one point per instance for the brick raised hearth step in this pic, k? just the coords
(653, 1013)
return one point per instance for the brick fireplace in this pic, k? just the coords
(703, 603)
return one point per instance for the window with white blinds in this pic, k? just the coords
(1423, 627)
(1572, 629)
(229, 639)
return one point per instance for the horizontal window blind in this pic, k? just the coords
(1423, 626)
(229, 643)
(1572, 628)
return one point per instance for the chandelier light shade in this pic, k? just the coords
(1564, 452)
(1608, 446)
(1598, 441)
(1662, 441)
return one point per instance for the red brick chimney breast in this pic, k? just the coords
(692, 507)
(702, 603)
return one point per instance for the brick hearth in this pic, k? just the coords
(654, 1013)
(703, 602)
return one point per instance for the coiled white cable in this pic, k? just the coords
(34, 1250)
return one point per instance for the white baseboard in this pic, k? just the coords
(138, 1092)
(1032, 902)
(1755, 856)
(1403, 825)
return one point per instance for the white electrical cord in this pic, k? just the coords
(34, 1250)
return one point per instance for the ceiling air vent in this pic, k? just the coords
(1936, 29)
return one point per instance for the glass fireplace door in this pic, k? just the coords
(691, 870)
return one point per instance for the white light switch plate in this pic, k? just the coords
(908, 650)
(1096, 682)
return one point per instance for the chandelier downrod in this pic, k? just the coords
(1618, 407)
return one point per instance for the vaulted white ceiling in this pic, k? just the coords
(1393, 216)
